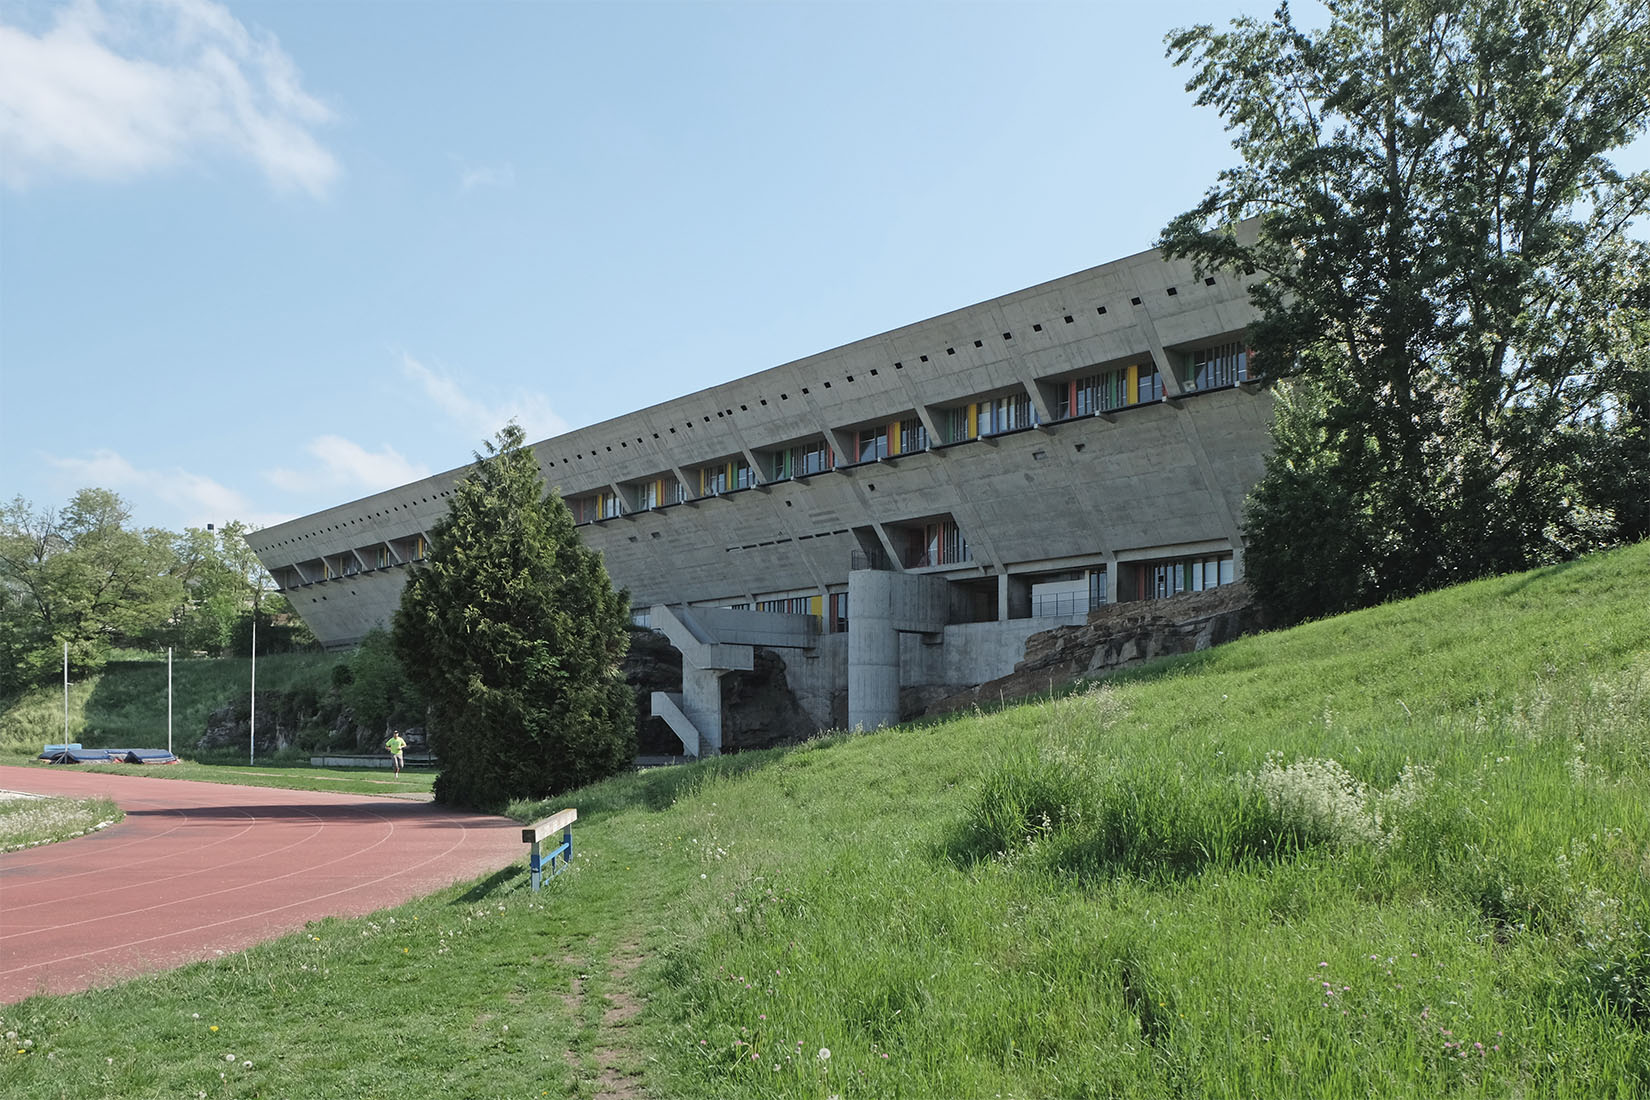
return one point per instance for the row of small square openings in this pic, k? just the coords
(360, 519)
(1038, 327)
(1209, 280)
(779, 541)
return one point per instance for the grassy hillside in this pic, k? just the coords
(126, 703)
(1400, 853)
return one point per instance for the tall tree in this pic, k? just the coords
(1445, 269)
(79, 576)
(222, 584)
(516, 634)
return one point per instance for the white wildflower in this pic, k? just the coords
(1318, 797)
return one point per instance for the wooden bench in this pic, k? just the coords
(561, 821)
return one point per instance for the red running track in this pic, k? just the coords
(202, 869)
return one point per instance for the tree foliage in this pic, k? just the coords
(83, 575)
(516, 634)
(375, 686)
(1445, 268)
(225, 588)
(79, 576)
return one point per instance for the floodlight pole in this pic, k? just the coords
(252, 738)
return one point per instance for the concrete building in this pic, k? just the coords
(896, 515)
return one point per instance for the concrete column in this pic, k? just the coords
(873, 650)
(1165, 366)
(702, 703)
(1013, 597)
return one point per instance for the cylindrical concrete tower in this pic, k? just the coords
(873, 650)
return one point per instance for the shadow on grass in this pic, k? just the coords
(487, 887)
(657, 789)
(1539, 576)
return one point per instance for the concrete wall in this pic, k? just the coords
(819, 679)
(971, 653)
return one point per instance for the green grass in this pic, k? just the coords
(1158, 888)
(125, 704)
(412, 781)
(28, 822)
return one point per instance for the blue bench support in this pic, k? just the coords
(559, 822)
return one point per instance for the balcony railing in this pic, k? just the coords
(923, 558)
(1061, 604)
(870, 559)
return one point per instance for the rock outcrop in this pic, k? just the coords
(1119, 636)
(759, 709)
(309, 721)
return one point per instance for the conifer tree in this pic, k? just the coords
(516, 633)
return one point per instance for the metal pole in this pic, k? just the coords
(252, 740)
(65, 694)
(168, 698)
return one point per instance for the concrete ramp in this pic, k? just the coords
(769, 629)
(668, 705)
(698, 646)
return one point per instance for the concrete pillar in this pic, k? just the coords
(1013, 597)
(873, 650)
(702, 703)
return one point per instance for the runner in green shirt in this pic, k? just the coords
(396, 745)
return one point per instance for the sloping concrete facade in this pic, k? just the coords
(1088, 439)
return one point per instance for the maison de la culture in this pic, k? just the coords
(901, 511)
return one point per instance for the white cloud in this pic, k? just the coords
(487, 175)
(113, 90)
(346, 464)
(481, 420)
(185, 498)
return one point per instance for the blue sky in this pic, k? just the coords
(258, 259)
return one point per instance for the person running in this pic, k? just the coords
(396, 746)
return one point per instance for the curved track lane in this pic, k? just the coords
(201, 869)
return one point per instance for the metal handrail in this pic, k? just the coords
(870, 559)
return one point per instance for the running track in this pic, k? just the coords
(202, 869)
